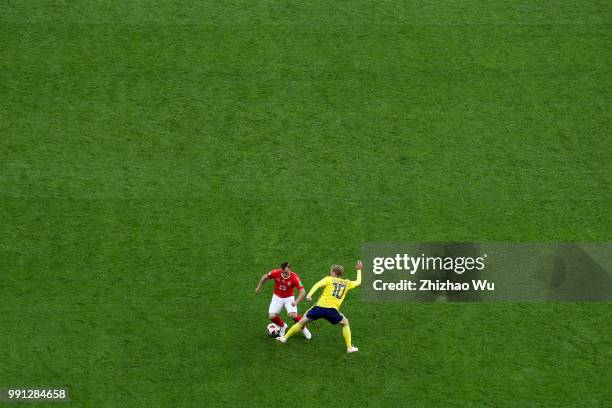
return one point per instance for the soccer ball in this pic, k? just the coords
(273, 330)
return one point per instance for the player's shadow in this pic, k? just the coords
(573, 275)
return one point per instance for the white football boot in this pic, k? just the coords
(352, 349)
(306, 333)
(283, 330)
(281, 339)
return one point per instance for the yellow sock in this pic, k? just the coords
(346, 332)
(294, 329)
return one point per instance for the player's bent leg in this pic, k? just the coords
(297, 318)
(276, 305)
(291, 309)
(284, 336)
(346, 333)
(292, 312)
(301, 324)
(294, 329)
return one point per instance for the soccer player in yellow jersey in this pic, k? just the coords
(334, 291)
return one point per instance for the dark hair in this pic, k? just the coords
(285, 265)
(338, 270)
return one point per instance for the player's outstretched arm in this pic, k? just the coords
(261, 282)
(316, 287)
(357, 281)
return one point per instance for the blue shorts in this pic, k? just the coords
(330, 314)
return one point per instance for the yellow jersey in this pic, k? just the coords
(334, 291)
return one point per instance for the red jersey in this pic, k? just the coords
(285, 287)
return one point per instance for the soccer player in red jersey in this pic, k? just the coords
(285, 282)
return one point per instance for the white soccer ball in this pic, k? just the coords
(273, 330)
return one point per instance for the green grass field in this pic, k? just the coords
(156, 158)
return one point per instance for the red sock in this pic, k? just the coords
(278, 321)
(297, 318)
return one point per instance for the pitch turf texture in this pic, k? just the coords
(156, 158)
